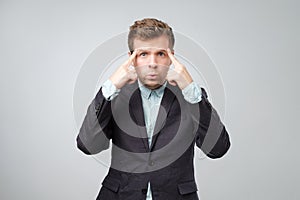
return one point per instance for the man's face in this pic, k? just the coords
(152, 61)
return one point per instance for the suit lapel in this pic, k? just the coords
(136, 108)
(166, 103)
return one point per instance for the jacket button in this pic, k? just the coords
(151, 163)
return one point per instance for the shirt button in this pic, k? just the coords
(151, 163)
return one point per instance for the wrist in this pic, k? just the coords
(109, 90)
(185, 83)
(116, 83)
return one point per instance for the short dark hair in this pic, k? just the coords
(149, 28)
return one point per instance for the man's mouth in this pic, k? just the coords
(152, 76)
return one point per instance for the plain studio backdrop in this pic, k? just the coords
(254, 45)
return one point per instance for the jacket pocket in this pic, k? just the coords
(111, 184)
(187, 187)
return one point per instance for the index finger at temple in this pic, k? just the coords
(133, 55)
(171, 56)
(130, 59)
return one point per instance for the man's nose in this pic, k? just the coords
(152, 61)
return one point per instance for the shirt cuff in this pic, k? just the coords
(109, 90)
(192, 93)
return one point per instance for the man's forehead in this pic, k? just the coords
(151, 49)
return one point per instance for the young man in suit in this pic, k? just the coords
(154, 114)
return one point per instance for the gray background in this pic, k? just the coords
(254, 44)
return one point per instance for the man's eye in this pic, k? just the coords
(143, 54)
(161, 54)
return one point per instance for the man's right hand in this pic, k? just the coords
(124, 74)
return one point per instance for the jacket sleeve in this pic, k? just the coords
(211, 137)
(95, 130)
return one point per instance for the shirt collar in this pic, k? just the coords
(145, 92)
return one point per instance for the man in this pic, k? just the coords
(154, 114)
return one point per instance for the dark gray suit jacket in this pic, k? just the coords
(168, 162)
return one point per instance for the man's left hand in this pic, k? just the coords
(179, 75)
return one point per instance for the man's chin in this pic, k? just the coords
(153, 85)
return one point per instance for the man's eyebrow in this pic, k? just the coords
(149, 49)
(155, 50)
(162, 50)
(139, 50)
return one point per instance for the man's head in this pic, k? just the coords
(151, 38)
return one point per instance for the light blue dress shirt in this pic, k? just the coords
(151, 100)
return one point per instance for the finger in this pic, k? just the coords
(132, 78)
(131, 69)
(172, 57)
(172, 82)
(133, 55)
(129, 61)
(171, 78)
